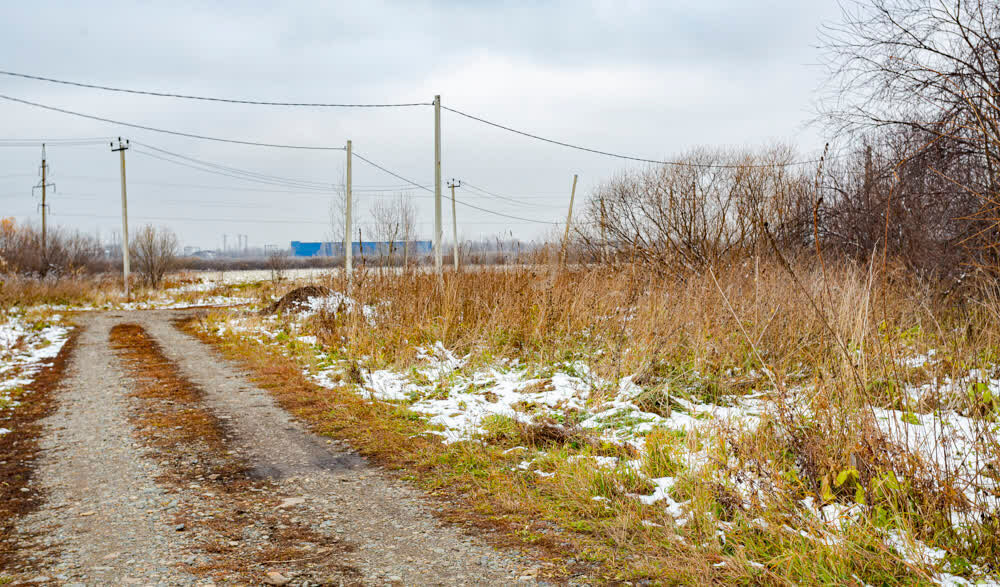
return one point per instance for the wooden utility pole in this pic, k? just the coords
(45, 206)
(348, 249)
(454, 220)
(569, 220)
(438, 233)
(122, 147)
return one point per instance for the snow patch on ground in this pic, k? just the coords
(335, 302)
(26, 346)
(457, 399)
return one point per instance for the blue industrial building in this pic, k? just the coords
(332, 249)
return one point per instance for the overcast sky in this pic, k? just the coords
(651, 79)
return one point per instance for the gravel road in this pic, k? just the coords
(107, 519)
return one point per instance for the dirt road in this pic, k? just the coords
(163, 464)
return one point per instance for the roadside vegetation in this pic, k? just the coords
(758, 422)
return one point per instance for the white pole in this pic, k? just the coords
(438, 233)
(348, 249)
(125, 265)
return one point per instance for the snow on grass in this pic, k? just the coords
(388, 385)
(955, 446)
(166, 302)
(244, 276)
(336, 302)
(457, 399)
(26, 346)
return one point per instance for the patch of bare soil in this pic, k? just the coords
(242, 530)
(296, 299)
(19, 450)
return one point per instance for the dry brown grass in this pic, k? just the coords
(823, 344)
(545, 315)
(29, 291)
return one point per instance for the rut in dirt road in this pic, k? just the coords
(164, 464)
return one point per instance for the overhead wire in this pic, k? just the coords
(196, 219)
(375, 105)
(170, 132)
(488, 211)
(53, 142)
(357, 188)
(236, 170)
(490, 194)
(626, 157)
(210, 98)
(151, 155)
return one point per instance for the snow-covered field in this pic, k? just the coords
(26, 346)
(459, 401)
(213, 278)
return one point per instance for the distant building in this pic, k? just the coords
(331, 249)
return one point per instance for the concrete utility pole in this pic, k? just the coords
(569, 220)
(454, 220)
(43, 186)
(438, 233)
(122, 147)
(348, 249)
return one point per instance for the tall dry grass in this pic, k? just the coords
(25, 291)
(826, 346)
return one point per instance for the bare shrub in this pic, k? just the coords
(153, 252)
(392, 227)
(714, 206)
(888, 195)
(66, 253)
(277, 263)
(933, 68)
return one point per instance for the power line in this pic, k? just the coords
(227, 220)
(300, 187)
(208, 98)
(490, 194)
(170, 132)
(356, 105)
(310, 184)
(495, 213)
(252, 174)
(53, 142)
(363, 189)
(373, 188)
(626, 157)
(392, 173)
